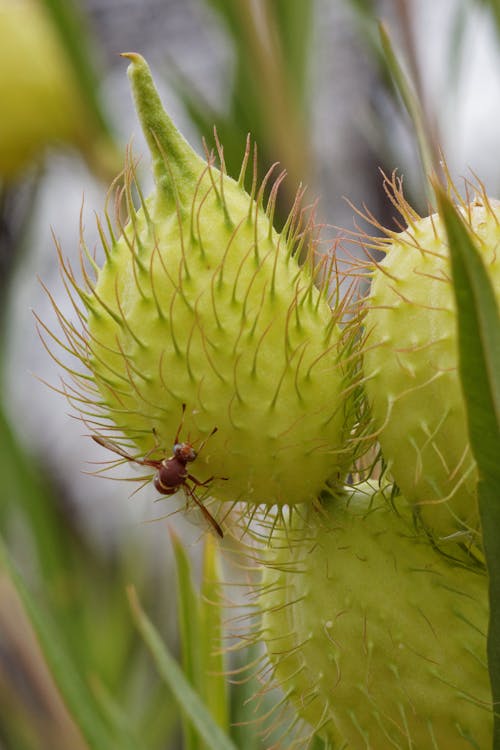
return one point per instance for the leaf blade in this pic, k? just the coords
(215, 684)
(410, 101)
(73, 689)
(189, 632)
(188, 700)
(479, 366)
(478, 340)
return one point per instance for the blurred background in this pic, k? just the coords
(309, 81)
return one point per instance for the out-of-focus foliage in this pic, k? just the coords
(494, 6)
(43, 101)
(268, 93)
(40, 101)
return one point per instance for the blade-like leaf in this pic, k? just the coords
(246, 731)
(479, 340)
(410, 101)
(267, 92)
(479, 366)
(215, 682)
(494, 5)
(23, 488)
(74, 690)
(69, 21)
(189, 632)
(188, 700)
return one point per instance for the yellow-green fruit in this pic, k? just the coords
(200, 302)
(374, 636)
(410, 365)
(38, 92)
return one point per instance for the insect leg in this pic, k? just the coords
(197, 481)
(206, 482)
(208, 516)
(115, 448)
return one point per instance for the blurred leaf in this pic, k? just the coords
(74, 690)
(23, 489)
(189, 634)
(69, 21)
(17, 207)
(364, 7)
(479, 365)
(68, 570)
(411, 103)
(115, 714)
(246, 729)
(96, 138)
(160, 718)
(293, 23)
(269, 93)
(215, 689)
(319, 744)
(188, 700)
(200, 629)
(494, 6)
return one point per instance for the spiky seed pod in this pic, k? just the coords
(201, 302)
(377, 639)
(410, 365)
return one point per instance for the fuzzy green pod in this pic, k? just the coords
(410, 366)
(374, 636)
(42, 100)
(200, 302)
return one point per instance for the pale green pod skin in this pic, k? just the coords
(41, 104)
(374, 636)
(410, 366)
(200, 302)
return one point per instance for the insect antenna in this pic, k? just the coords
(181, 424)
(205, 441)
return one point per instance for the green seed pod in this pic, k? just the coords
(376, 638)
(42, 101)
(410, 366)
(200, 302)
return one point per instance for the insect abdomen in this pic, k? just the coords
(171, 475)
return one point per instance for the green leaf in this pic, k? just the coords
(23, 488)
(268, 94)
(200, 627)
(479, 366)
(494, 6)
(115, 713)
(188, 700)
(246, 730)
(410, 101)
(189, 633)
(479, 341)
(73, 688)
(69, 21)
(215, 689)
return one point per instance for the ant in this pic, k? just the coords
(171, 473)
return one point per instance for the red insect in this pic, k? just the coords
(171, 473)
